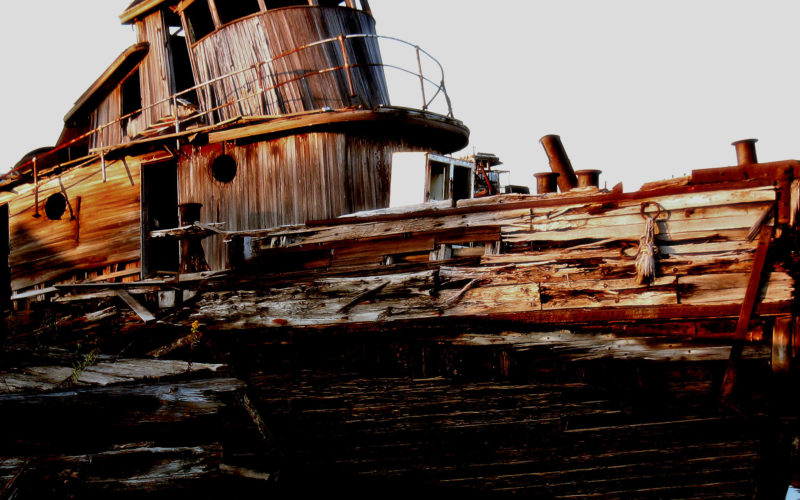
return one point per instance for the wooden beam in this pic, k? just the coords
(119, 274)
(748, 305)
(34, 293)
(753, 285)
(137, 307)
(552, 202)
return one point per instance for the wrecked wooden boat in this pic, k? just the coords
(233, 191)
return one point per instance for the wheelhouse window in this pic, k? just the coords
(181, 64)
(353, 4)
(277, 4)
(199, 22)
(204, 16)
(231, 11)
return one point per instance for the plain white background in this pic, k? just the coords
(642, 90)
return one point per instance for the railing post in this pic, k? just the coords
(262, 88)
(346, 65)
(421, 80)
(177, 115)
(103, 164)
(177, 121)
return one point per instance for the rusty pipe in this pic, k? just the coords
(745, 151)
(559, 162)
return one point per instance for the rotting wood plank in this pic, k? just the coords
(135, 305)
(102, 373)
(705, 195)
(722, 202)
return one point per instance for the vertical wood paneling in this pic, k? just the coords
(155, 72)
(287, 180)
(104, 231)
(243, 44)
(108, 111)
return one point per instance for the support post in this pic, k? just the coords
(781, 344)
(103, 165)
(746, 312)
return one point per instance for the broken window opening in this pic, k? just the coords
(199, 22)
(181, 64)
(223, 168)
(131, 94)
(231, 11)
(55, 206)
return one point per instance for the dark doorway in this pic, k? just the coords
(159, 211)
(462, 180)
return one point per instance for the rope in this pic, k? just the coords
(646, 269)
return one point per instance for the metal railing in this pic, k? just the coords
(258, 81)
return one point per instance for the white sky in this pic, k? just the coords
(643, 90)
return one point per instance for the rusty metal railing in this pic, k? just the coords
(263, 81)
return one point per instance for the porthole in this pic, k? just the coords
(55, 206)
(223, 168)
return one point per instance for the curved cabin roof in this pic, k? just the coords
(110, 78)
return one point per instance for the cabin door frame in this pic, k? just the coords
(159, 210)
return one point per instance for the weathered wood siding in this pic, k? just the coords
(246, 42)
(114, 132)
(556, 259)
(288, 180)
(102, 228)
(110, 110)
(155, 72)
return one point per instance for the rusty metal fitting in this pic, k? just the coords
(745, 151)
(588, 178)
(546, 182)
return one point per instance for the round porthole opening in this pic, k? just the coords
(55, 206)
(223, 168)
